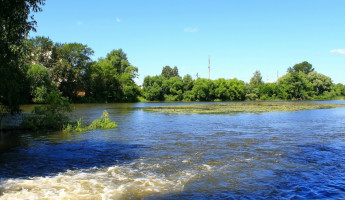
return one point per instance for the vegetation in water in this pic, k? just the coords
(104, 122)
(51, 115)
(253, 107)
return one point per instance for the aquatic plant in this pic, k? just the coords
(252, 107)
(104, 122)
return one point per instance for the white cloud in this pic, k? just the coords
(338, 51)
(190, 30)
(118, 20)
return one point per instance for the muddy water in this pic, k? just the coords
(173, 156)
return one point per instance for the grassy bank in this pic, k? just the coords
(253, 107)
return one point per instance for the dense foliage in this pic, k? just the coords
(301, 82)
(69, 69)
(16, 21)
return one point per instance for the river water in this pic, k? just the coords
(278, 155)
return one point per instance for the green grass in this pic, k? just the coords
(252, 107)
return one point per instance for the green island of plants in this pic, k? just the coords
(252, 107)
(104, 122)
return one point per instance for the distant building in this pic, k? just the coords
(81, 93)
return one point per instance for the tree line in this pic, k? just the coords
(68, 68)
(301, 82)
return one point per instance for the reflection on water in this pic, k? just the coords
(168, 156)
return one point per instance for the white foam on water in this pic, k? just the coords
(207, 167)
(116, 182)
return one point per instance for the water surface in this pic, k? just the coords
(278, 155)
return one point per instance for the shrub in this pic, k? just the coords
(49, 116)
(103, 123)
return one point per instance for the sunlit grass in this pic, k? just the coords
(253, 107)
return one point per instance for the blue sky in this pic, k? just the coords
(240, 36)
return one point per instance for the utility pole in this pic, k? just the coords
(209, 67)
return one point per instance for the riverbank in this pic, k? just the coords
(252, 107)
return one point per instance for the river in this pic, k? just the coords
(277, 155)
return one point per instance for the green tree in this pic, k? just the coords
(268, 91)
(221, 90)
(295, 85)
(169, 72)
(118, 77)
(40, 83)
(130, 91)
(15, 24)
(175, 93)
(321, 83)
(203, 89)
(152, 88)
(39, 51)
(187, 82)
(304, 67)
(72, 61)
(104, 84)
(256, 79)
(236, 89)
(252, 92)
(339, 89)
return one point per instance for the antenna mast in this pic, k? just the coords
(209, 67)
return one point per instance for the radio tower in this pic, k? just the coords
(209, 67)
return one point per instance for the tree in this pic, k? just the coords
(175, 93)
(72, 61)
(237, 89)
(256, 79)
(168, 72)
(112, 79)
(295, 85)
(268, 91)
(252, 92)
(40, 83)
(339, 89)
(203, 89)
(104, 85)
(321, 83)
(221, 90)
(187, 82)
(304, 67)
(15, 24)
(152, 88)
(39, 51)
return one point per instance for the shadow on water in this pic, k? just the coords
(29, 155)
